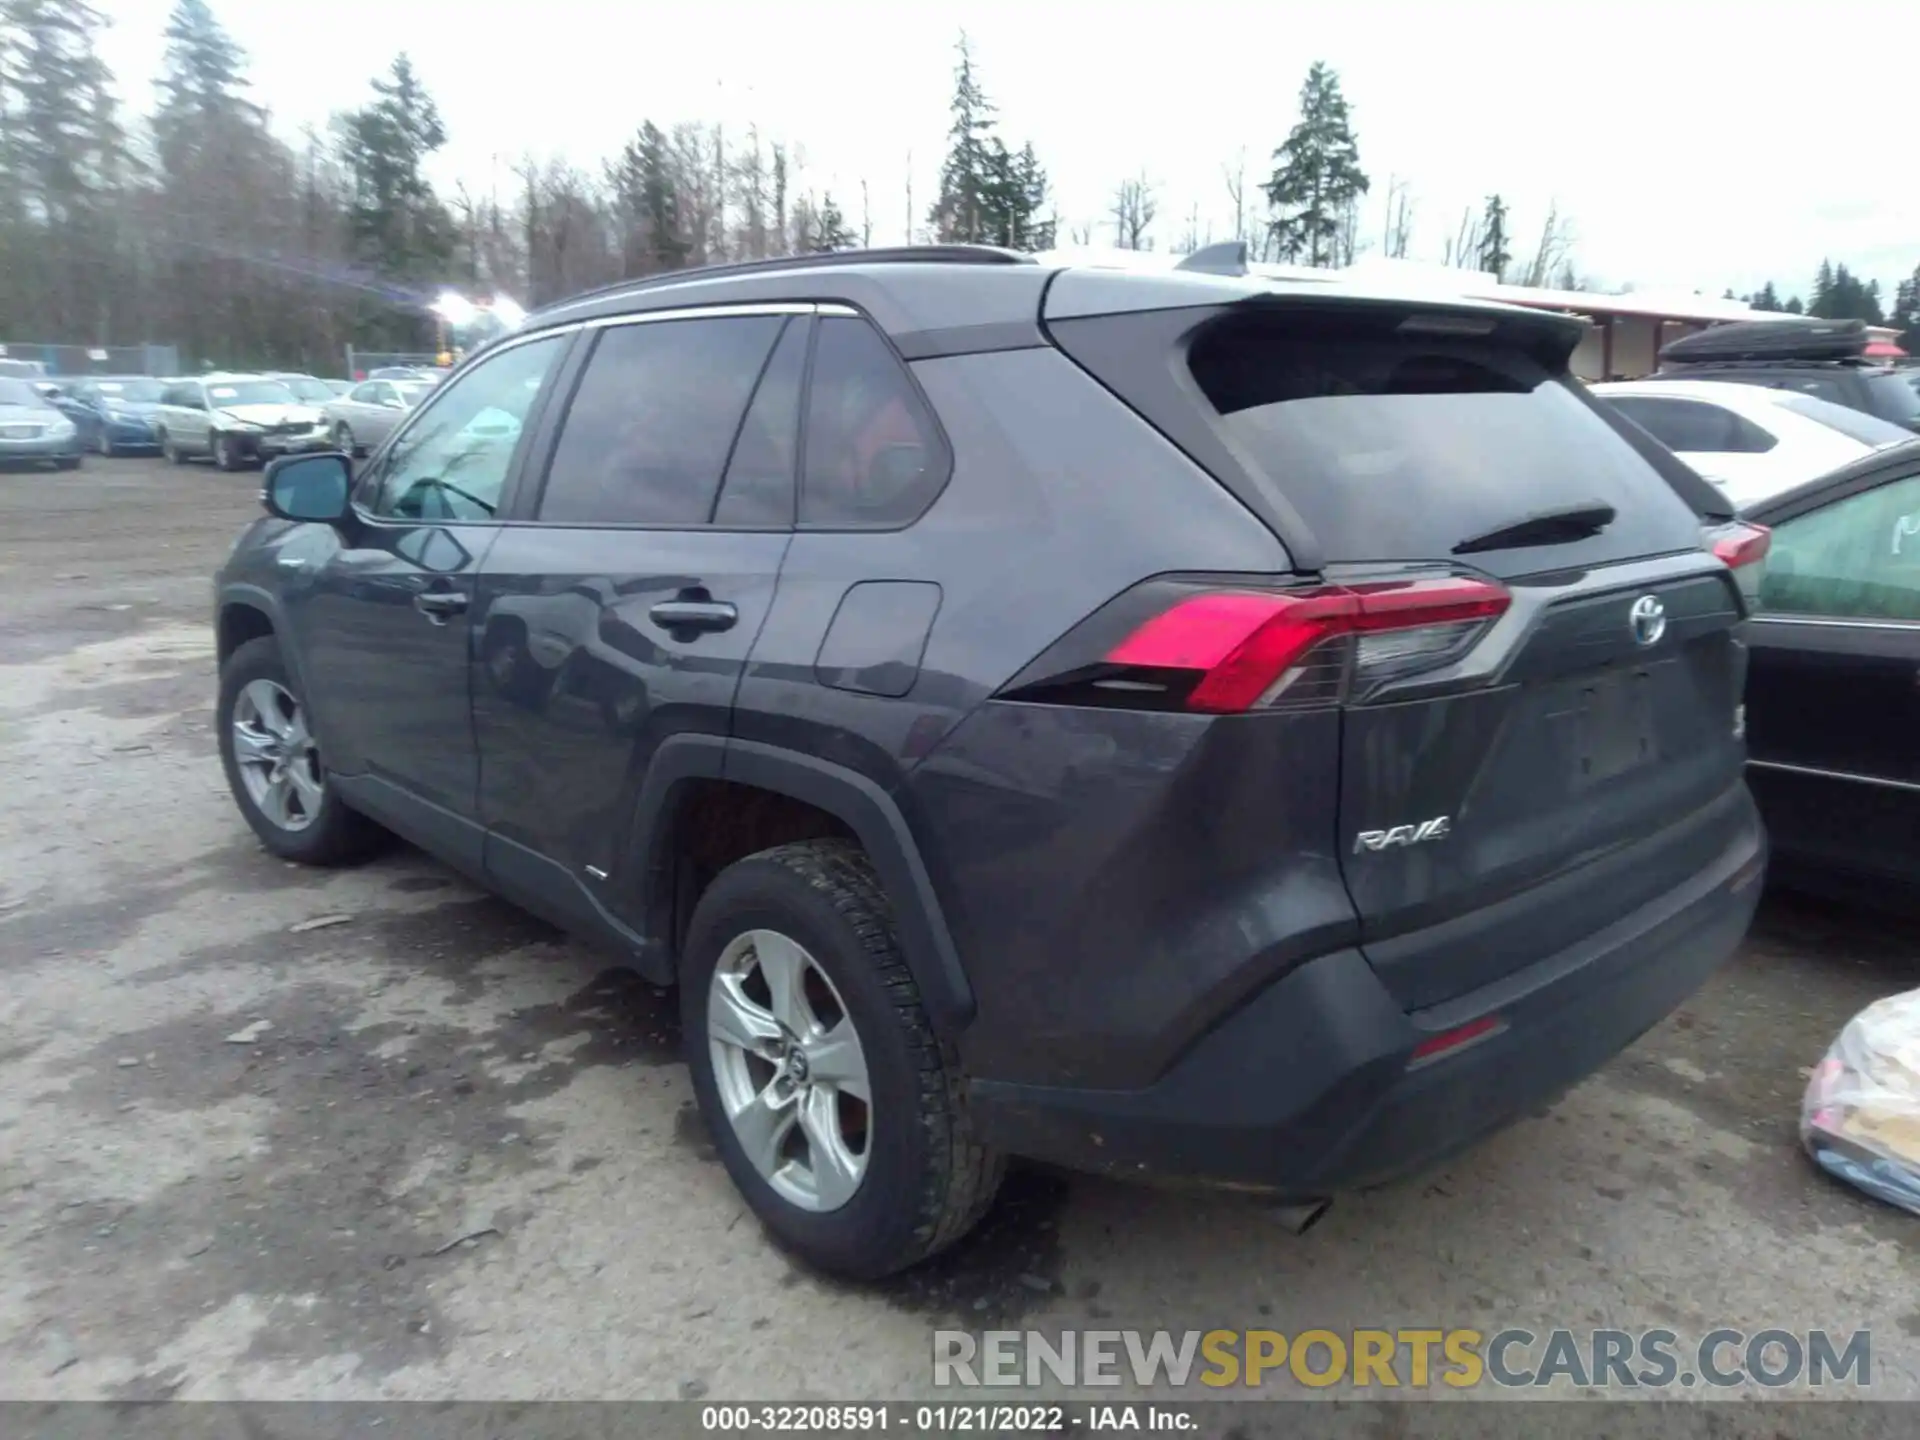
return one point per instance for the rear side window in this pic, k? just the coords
(1822, 387)
(1854, 424)
(1894, 399)
(759, 486)
(652, 421)
(874, 457)
(1694, 425)
(1400, 446)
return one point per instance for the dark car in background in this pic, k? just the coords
(1833, 686)
(1181, 726)
(114, 413)
(32, 431)
(1823, 358)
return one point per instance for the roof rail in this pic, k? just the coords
(826, 259)
(1229, 257)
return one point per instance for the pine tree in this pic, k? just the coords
(1316, 174)
(1765, 298)
(1818, 302)
(830, 228)
(1906, 309)
(398, 225)
(1496, 253)
(646, 196)
(1839, 294)
(200, 85)
(973, 176)
(59, 133)
(1794, 306)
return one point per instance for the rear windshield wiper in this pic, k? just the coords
(1546, 527)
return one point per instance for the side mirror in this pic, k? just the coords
(309, 488)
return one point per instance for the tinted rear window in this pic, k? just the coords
(1398, 447)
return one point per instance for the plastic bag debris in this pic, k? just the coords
(1860, 1119)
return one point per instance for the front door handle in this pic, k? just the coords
(438, 605)
(708, 615)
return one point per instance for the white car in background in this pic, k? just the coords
(1749, 440)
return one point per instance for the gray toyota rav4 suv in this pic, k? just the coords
(1179, 725)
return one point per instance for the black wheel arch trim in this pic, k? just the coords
(862, 804)
(256, 597)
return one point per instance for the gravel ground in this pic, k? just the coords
(279, 1134)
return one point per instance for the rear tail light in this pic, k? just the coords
(1742, 546)
(1226, 651)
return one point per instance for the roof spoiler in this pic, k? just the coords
(1229, 257)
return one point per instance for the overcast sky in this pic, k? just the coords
(1690, 141)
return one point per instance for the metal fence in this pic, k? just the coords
(97, 360)
(361, 363)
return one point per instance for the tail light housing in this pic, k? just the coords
(1225, 650)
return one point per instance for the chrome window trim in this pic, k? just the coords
(1876, 780)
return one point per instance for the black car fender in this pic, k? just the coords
(856, 800)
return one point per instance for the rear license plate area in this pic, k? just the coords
(1614, 729)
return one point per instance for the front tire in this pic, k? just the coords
(343, 441)
(226, 453)
(173, 453)
(274, 767)
(68, 462)
(103, 442)
(839, 1114)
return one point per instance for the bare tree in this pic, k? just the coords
(866, 216)
(1462, 250)
(1551, 254)
(1399, 233)
(1236, 175)
(1133, 211)
(1190, 236)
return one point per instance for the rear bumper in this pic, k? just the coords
(1307, 1090)
(40, 447)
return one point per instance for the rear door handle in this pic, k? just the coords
(437, 605)
(710, 615)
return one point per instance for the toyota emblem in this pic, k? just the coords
(1648, 620)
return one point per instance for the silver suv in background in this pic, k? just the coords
(235, 420)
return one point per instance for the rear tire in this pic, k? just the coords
(924, 1177)
(325, 831)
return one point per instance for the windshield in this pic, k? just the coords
(1398, 447)
(1854, 424)
(19, 392)
(249, 392)
(305, 387)
(134, 392)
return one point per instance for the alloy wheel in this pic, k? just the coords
(279, 762)
(790, 1070)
